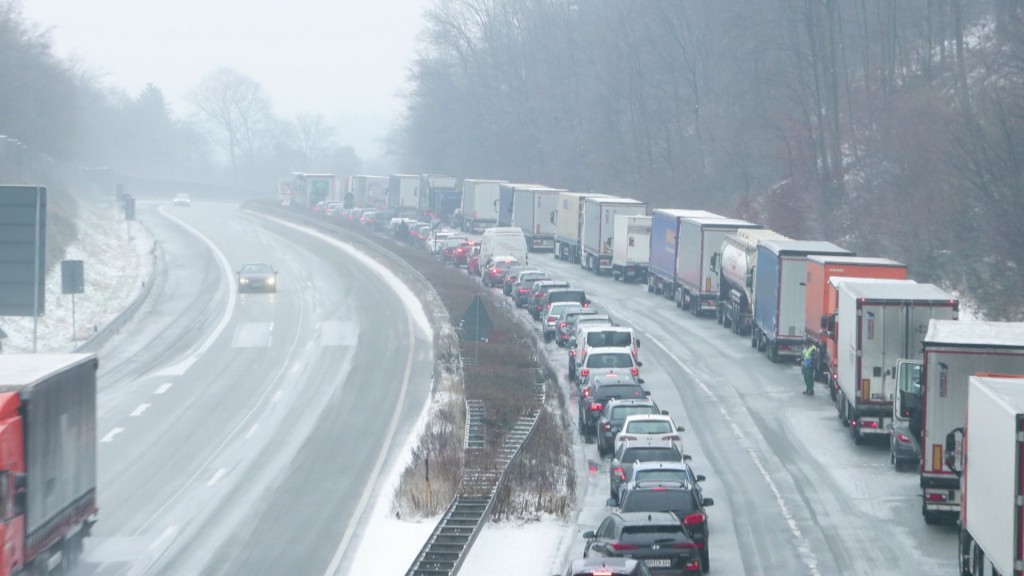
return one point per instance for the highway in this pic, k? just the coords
(245, 433)
(793, 494)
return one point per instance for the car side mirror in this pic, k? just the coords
(701, 478)
(709, 502)
(646, 392)
(664, 412)
(611, 503)
(637, 342)
(687, 457)
(680, 429)
(589, 535)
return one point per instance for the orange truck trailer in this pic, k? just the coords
(823, 298)
(48, 466)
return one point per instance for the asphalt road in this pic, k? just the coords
(793, 494)
(242, 433)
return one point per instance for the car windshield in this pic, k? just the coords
(256, 269)
(660, 475)
(649, 427)
(609, 391)
(647, 533)
(610, 360)
(651, 454)
(620, 413)
(601, 339)
(679, 501)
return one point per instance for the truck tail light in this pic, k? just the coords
(693, 519)
(903, 437)
(935, 497)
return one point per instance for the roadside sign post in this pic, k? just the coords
(72, 281)
(23, 253)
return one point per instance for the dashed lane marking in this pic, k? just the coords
(110, 435)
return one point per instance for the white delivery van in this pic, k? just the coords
(503, 241)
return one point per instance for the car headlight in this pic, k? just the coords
(243, 280)
(271, 280)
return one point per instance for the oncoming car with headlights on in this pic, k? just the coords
(257, 278)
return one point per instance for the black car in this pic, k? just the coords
(566, 295)
(603, 388)
(566, 322)
(614, 415)
(522, 291)
(257, 278)
(656, 538)
(511, 277)
(630, 453)
(683, 500)
(540, 292)
(607, 567)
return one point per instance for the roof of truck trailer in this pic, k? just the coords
(615, 200)
(1008, 390)
(752, 235)
(20, 370)
(805, 247)
(836, 281)
(866, 260)
(896, 291)
(683, 213)
(993, 334)
(721, 221)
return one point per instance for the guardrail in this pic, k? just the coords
(453, 537)
(97, 340)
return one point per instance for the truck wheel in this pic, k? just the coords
(650, 286)
(753, 338)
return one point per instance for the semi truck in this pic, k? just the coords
(367, 192)
(599, 228)
(661, 275)
(438, 196)
(308, 190)
(821, 298)
(479, 205)
(530, 207)
(989, 459)
(877, 326)
(403, 194)
(735, 263)
(953, 352)
(569, 225)
(780, 279)
(631, 247)
(48, 419)
(696, 281)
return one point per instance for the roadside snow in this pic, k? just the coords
(115, 267)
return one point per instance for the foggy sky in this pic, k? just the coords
(346, 59)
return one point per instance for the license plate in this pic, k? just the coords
(658, 562)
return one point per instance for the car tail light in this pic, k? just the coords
(692, 565)
(561, 325)
(618, 471)
(585, 372)
(634, 371)
(693, 519)
(617, 546)
(685, 545)
(596, 407)
(524, 290)
(538, 294)
(552, 318)
(935, 497)
(627, 438)
(869, 424)
(606, 427)
(586, 304)
(903, 437)
(673, 437)
(572, 352)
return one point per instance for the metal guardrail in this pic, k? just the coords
(453, 537)
(97, 340)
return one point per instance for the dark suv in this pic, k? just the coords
(656, 538)
(603, 388)
(613, 416)
(607, 567)
(633, 452)
(540, 292)
(522, 292)
(567, 295)
(683, 500)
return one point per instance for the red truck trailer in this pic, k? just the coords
(48, 467)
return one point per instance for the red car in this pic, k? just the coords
(473, 262)
(459, 255)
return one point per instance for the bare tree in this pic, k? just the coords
(314, 135)
(236, 110)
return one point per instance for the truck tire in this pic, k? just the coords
(650, 285)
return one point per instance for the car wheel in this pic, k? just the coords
(705, 559)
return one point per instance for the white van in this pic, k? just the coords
(503, 241)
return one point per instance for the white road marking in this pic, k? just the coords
(251, 431)
(142, 408)
(277, 395)
(168, 533)
(110, 435)
(163, 387)
(220, 473)
(810, 559)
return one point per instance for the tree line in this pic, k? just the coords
(888, 126)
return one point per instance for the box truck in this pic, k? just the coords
(631, 248)
(661, 274)
(599, 229)
(569, 225)
(780, 279)
(403, 194)
(990, 461)
(48, 419)
(696, 280)
(367, 192)
(479, 205)
(438, 196)
(878, 325)
(532, 208)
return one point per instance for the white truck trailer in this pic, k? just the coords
(953, 352)
(367, 192)
(479, 207)
(569, 225)
(990, 460)
(696, 281)
(877, 326)
(631, 248)
(599, 229)
(403, 194)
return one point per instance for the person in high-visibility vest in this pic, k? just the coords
(807, 367)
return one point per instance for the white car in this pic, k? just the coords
(604, 360)
(182, 200)
(650, 428)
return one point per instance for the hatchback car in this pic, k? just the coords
(604, 387)
(656, 538)
(565, 322)
(601, 360)
(182, 200)
(521, 292)
(257, 278)
(553, 316)
(494, 272)
(540, 292)
(606, 567)
(683, 500)
(647, 474)
(614, 416)
(650, 427)
(629, 453)
(508, 283)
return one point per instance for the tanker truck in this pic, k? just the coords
(735, 263)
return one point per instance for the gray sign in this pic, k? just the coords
(22, 250)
